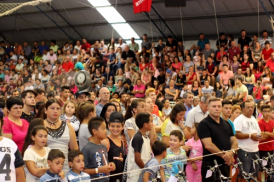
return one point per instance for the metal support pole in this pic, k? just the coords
(65, 20)
(265, 9)
(164, 22)
(155, 25)
(271, 3)
(55, 24)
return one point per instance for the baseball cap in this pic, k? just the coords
(169, 71)
(77, 94)
(116, 117)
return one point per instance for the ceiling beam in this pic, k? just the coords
(139, 21)
(87, 7)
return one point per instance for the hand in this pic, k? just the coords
(227, 155)
(61, 174)
(181, 124)
(194, 166)
(105, 169)
(113, 166)
(255, 137)
(230, 161)
(186, 148)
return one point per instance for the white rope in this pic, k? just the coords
(151, 28)
(258, 18)
(185, 160)
(182, 26)
(113, 27)
(8, 8)
(216, 22)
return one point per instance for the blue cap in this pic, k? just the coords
(169, 71)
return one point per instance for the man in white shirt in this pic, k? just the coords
(207, 89)
(264, 39)
(197, 114)
(248, 134)
(120, 44)
(29, 86)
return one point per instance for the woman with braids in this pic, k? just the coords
(61, 134)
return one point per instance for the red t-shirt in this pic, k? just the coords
(264, 126)
(67, 66)
(244, 65)
(270, 64)
(191, 78)
(86, 46)
(267, 53)
(141, 67)
(155, 110)
(233, 52)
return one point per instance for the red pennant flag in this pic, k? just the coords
(142, 6)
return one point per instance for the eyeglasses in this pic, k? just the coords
(250, 107)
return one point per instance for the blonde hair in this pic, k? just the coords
(149, 91)
(84, 108)
(65, 105)
(235, 107)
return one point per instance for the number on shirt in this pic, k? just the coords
(6, 163)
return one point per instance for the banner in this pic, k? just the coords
(142, 6)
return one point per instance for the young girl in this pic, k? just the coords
(85, 112)
(69, 111)
(193, 168)
(218, 90)
(114, 144)
(36, 156)
(166, 109)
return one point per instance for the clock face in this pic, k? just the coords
(81, 77)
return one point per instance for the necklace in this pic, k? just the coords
(52, 123)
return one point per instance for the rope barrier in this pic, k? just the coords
(194, 158)
(216, 21)
(182, 26)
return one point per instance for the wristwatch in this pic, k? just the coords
(96, 170)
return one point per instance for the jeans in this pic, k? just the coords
(249, 88)
(247, 159)
(120, 65)
(114, 68)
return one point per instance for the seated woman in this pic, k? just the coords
(196, 88)
(14, 127)
(191, 76)
(171, 92)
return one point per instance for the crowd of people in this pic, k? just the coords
(122, 127)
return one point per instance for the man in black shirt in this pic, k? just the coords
(28, 98)
(244, 40)
(171, 43)
(127, 87)
(26, 76)
(126, 54)
(222, 41)
(216, 136)
(162, 77)
(98, 64)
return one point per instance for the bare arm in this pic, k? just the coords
(162, 173)
(211, 147)
(20, 174)
(146, 177)
(131, 133)
(138, 160)
(34, 170)
(7, 135)
(73, 142)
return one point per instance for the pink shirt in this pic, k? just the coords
(226, 76)
(18, 132)
(195, 151)
(52, 58)
(142, 87)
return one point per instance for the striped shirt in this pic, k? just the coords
(74, 177)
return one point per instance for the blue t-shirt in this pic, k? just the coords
(201, 44)
(111, 57)
(232, 126)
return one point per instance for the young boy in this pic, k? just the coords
(266, 125)
(95, 154)
(139, 150)
(77, 164)
(159, 151)
(114, 144)
(175, 156)
(56, 160)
